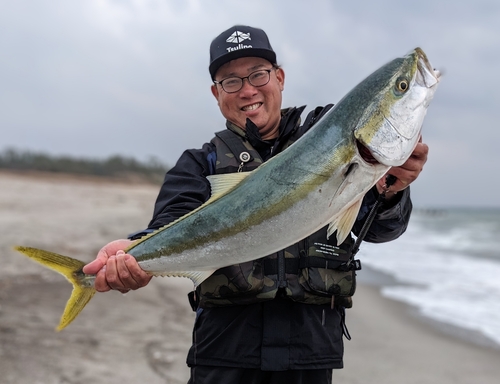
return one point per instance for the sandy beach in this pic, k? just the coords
(144, 336)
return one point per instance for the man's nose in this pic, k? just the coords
(247, 87)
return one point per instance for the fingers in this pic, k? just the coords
(410, 170)
(94, 267)
(420, 152)
(104, 254)
(417, 159)
(139, 276)
(101, 283)
(389, 192)
(116, 270)
(123, 273)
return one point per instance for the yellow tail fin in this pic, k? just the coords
(71, 269)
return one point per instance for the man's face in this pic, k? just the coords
(262, 104)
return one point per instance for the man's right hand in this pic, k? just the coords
(114, 269)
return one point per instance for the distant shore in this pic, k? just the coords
(144, 336)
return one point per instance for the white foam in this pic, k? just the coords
(446, 284)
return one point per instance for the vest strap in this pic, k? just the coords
(293, 266)
(271, 266)
(235, 143)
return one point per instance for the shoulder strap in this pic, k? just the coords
(313, 117)
(235, 144)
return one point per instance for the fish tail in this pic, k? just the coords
(71, 269)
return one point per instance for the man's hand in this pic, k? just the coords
(406, 173)
(116, 270)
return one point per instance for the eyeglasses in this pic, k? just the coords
(257, 79)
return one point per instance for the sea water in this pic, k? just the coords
(447, 264)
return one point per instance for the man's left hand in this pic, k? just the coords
(406, 173)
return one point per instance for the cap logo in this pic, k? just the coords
(237, 37)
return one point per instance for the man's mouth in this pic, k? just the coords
(251, 107)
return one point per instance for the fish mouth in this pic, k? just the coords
(365, 153)
(427, 75)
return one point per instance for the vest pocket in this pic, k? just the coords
(233, 284)
(321, 266)
(328, 282)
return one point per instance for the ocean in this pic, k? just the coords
(446, 265)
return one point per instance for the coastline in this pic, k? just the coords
(378, 280)
(145, 335)
(392, 344)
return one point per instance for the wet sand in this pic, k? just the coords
(144, 336)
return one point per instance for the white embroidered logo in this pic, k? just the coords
(237, 37)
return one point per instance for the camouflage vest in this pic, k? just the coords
(312, 270)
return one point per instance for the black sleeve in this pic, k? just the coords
(184, 188)
(391, 219)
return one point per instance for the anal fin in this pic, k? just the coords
(197, 277)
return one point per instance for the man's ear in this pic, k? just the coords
(215, 91)
(280, 75)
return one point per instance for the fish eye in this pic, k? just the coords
(402, 85)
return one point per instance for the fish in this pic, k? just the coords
(319, 180)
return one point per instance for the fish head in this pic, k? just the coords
(400, 93)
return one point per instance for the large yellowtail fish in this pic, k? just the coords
(319, 180)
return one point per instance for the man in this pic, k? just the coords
(258, 322)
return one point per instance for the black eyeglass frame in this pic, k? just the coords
(248, 78)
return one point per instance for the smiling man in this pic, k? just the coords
(278, 319)
(257, 99)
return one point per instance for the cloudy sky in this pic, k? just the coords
(94, 78)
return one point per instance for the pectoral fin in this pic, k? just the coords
(344, 222)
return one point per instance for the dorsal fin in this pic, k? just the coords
(220, 184)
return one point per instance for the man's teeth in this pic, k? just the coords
(251, 107)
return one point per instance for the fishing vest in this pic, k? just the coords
(314, 270)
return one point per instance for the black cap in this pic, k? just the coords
(239, 41)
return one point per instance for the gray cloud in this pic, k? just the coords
(96, 78)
